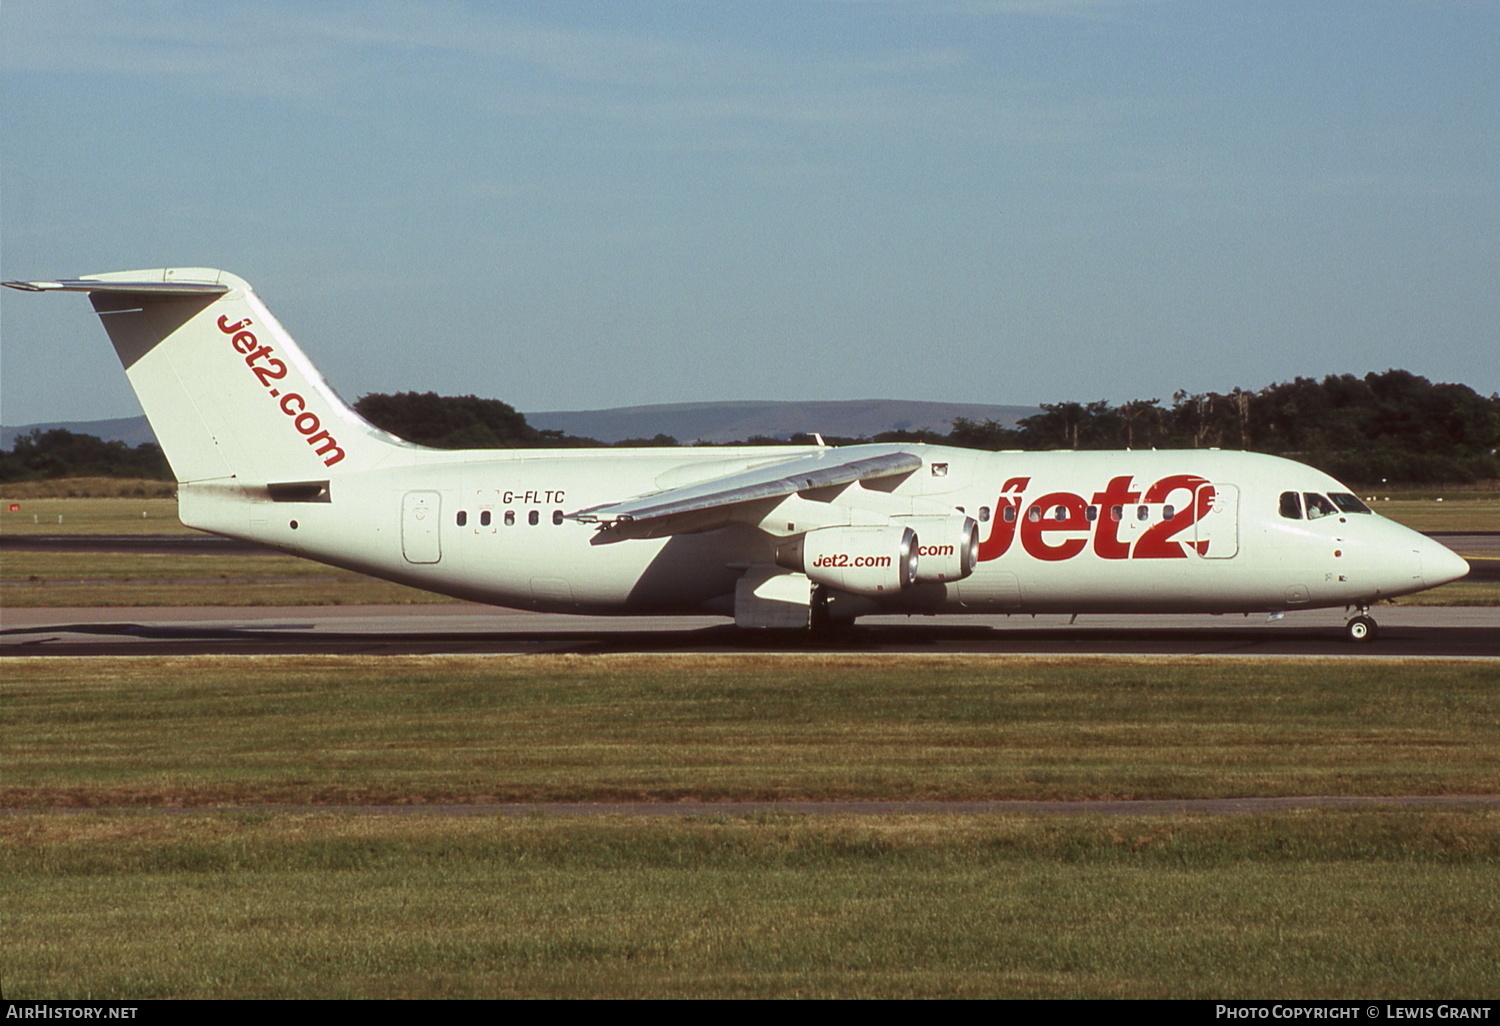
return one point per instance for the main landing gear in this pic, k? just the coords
(823, 621)
(1361, 629)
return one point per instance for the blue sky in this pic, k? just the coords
(581, 205)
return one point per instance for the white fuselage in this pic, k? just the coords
(1221, 548)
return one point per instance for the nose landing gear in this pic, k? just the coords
(1361, 629)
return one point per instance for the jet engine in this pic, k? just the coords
(949, 547)
(860, 560)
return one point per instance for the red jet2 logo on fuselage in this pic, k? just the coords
(1064, 516)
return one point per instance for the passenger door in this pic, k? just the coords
(420, 516)
(1218, 529)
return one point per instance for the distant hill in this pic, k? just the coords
(132, 431)
(687, 422)
(728, 421)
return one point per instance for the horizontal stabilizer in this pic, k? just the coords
(144, 288)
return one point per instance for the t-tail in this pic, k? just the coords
(231, 397)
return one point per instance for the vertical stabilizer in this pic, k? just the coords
(227, 391)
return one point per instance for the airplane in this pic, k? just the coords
(794, 536)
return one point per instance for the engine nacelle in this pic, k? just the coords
(860, 560)
(949, 546)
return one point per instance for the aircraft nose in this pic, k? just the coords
(1441, 564)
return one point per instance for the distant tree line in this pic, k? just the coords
(1394, 427)
(47, 455)
(458, 422)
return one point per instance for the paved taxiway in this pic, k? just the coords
(1406, 631)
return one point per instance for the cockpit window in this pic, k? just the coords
(1348, 503)
(1291, 505)
(1318, 506)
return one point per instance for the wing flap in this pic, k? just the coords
(826, 469)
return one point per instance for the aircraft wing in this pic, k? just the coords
(825, 469)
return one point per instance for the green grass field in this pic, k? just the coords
(1446, 511)
(1459, 593)
(57, 579)
(264, 901)
(308, 730)
(1298, 905)
(151, 514)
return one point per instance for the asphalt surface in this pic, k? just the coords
(462, 628)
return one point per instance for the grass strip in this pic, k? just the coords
(1459, 593)
(199, 731)
(1316, 904)
(145, 508)
(1444, 511)
(69, 579)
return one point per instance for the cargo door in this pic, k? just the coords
(419, 527)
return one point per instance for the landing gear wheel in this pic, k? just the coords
(819, 620)
(822, 621)
(1361, 629)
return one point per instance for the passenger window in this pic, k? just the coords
(462, 518)
(984, 514)
(557, 516)
(533, 518)
(1318, 506)
(1291, 505)
(1348, 503)
(1167, 513)
(484, 518)
(1059, 513)
(1034, 514)
(1009, 515)
(510, 518)
(1117, 513)
(1091, 514)
(1143, 512)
